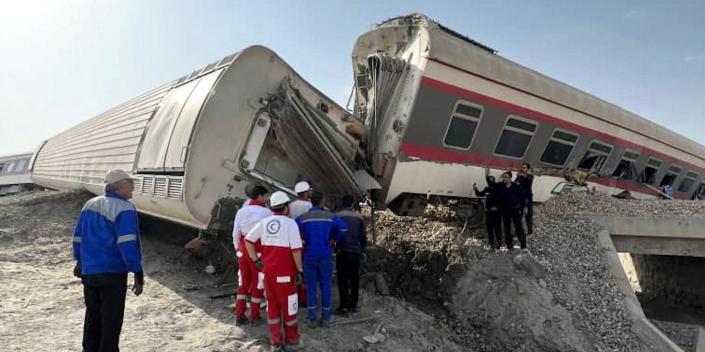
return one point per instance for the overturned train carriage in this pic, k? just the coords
(193, 143)
(440, 107)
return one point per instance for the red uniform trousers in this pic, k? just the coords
(250, 285)
(282, 308)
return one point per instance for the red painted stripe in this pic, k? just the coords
(453, 156)
(519, 110)
(559, 104)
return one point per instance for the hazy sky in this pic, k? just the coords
(62, 62)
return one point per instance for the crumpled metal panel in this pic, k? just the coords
(308, 140)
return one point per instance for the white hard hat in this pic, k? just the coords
(302, 186)
(277, 199)
(116, 175)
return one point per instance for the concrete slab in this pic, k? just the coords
(656, 235)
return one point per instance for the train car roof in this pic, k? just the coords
(15, 157)
(467, 54)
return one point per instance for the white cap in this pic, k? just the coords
(116, 175)
(277, 199)
(302, 186)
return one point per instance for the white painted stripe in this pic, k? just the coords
(77, 239)
(126, 238)
(283, 279)
(273, 321)
(291, 323)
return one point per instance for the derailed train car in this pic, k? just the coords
(440, 107)
(193, 143)
(14, 173)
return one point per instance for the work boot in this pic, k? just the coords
(240, 321)
(277, 348)
(311, 324)
(324, 323)
(294, 346)
(256, 322)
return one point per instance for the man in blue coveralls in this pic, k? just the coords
(320, 230)
(106, 246)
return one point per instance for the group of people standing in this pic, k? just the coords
(506, 203)
(287, 244)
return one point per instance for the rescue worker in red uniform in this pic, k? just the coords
(250, 279)
(281, 264)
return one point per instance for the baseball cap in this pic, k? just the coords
(116, 175)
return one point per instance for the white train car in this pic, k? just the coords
(441, 107)
(193, 143)
(14, 173)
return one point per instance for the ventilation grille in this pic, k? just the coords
(160, 186)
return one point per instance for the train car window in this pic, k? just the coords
(20, 165)
(648, 176)
(463, 125)
(670, 176)
(516, 137)
(2, 167)
(559, 147)
(687, 182)
(626, 170)
(11, 167)
(595, 157)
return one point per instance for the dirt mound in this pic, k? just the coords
(505, 300)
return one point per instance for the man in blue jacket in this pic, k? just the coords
(320, 230)
(106, 246)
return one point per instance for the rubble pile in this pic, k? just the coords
(589, 203)
(422, 257)
(579, 277)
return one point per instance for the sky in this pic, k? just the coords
(62, 62)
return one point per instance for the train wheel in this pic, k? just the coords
(470, 212)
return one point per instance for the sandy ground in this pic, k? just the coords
(41, 303)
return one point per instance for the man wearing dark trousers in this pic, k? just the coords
(350, 249)
(525, 179)
(512, 205)
(493, 215)
(106, 246)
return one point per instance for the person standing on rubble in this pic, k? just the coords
(512, 203)
(281, 264)
(320, 230)
(303, 204)
(250, 279)
(493, 215)
(525, 179)
(351, 249)
(106, 246)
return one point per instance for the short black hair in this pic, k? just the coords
(317, 198)
(507, 173)
(528, 166)
(258, 191)
(348, 201)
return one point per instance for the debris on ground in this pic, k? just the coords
(429, 286)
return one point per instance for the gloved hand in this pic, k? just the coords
(139, 284)
(299, 278)
(77, 270)
(259, 264)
